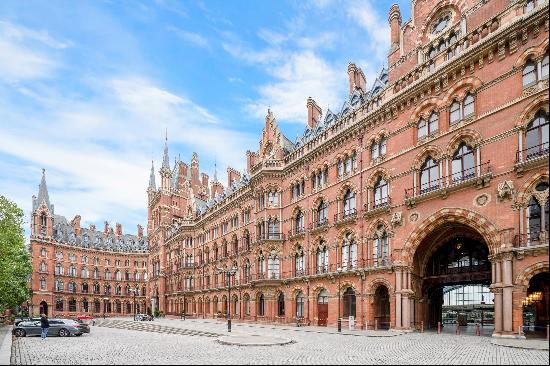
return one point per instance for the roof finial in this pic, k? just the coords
(215, 170)
(152, 184)
(165, 159)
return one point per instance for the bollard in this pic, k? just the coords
(367, 325)
(422, 326)
(438, 327)
(376, 324)
(478, 331)
(547, 332)
(457, 330)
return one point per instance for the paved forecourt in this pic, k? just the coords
(196, 342)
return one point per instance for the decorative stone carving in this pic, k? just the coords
(505, 190)
(482, 199)
(396, 219)
(414, 217)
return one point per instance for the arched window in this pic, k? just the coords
(430, 127)
(261, 305)
(84, 287)
(382, 145)
(273, 266)
(463, 163)
(118, 276)
(59, 304)
(380, 250)
(86, 306)
(349, 253)
(529, 73)
(281, 305)
(273, 229)
(349, 203)
(43, 224)
(107, 274)
(429, 175)
(299, 262)
(42, 283)
(455, 113)
(380, 192)
(422, 128)
(529, 5)
(72, 305)
(96, 288)
(536, 137)
(322, 213)
(349, 303)
(261, 265)
(72, 271)
(322, 258)
(538, 219)
(59, 286)
(72, 287)
(431, 53)
(469, 105)
(299, 222)
(246, 271)
(441, 24)
(58, 269)
(322, 298)
(545, 67)
(300, 305)
(441, 45)
(43, 267)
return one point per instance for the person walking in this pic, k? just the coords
(45, 325)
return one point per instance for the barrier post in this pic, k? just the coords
(547, 332)
(438, 327)
(422, 326)
(375, 324)
(457, 330)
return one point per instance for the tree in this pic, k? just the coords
(15, 264)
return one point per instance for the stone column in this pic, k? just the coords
(507, 315)
(398, 323)
(497, 290)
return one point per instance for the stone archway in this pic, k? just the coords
(473, 243)
(382, 308)
(44, 308)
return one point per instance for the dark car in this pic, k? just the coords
(58, 327)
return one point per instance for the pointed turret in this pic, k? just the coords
(43, 196)
(165, 172)
(152, 184)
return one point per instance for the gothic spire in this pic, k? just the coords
(152, 185)
(165, 158)
(43, 196)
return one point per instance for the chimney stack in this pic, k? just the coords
(139, 231)
(313, 112)
(118, 231)
(356, 79)
(394, 18)
(76, 224)
(106, 228)
(204, 179)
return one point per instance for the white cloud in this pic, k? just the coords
(191, 37)
(376, 25)
(20, 63)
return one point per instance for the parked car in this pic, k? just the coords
(58, 327)
(19, 320)
(143, 317)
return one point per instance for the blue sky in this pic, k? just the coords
(88, 88)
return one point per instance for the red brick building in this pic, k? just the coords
(423, 200)
(84, 271)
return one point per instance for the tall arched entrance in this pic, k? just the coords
(43, 307)
(322, 308)
(382, 307)
(535, 306)
(452, 274)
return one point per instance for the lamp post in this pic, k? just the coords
(339, 270)
(229, 273)
(133, 291)
(104, 305)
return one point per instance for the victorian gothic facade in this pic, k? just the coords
(426, 185)
(83, 270)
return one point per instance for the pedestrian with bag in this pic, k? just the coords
(44, 325)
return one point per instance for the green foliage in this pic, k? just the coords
(15, 263)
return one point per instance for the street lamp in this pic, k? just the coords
(229, 273)
(104, 305)
(133, 291)
(339, 270)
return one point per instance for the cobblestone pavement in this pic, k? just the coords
(122, 346)
(153, 327)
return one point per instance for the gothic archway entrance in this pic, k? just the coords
(322, 308)
(382, 307)
(453, 275)
(43, 307)
(535, 306)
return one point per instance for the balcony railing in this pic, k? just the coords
(380, 203)
(271, 236)
(319, 224)
(532, 152)
(296, 232)
(534, 238)
(449, 181)
(346, 215)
